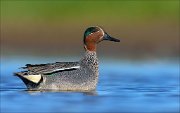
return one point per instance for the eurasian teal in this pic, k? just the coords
(68, 76)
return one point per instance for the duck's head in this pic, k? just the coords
(94, 35)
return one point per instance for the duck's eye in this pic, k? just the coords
(90, 31)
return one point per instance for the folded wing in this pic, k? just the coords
(34, 72)
(51, 67)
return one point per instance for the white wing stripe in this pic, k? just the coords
(61, 69)
(75, 67)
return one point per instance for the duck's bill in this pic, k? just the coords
(107, 37)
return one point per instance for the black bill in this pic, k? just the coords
(107, 37)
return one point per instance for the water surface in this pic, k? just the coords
(123, 87)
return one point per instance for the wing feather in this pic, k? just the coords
(51, 67)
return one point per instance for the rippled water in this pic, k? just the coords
(123, 87)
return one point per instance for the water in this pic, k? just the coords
(123, 87)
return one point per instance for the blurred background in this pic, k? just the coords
(147, 29)
(139, 74)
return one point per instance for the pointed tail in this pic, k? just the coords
(31, 81)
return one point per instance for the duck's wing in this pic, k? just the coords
(33, 72)
(51, 67)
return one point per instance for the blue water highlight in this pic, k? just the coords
(143, 86)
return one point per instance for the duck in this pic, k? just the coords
(81, 75)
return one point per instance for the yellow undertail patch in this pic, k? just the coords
(33, 78)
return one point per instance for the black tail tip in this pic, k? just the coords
(17, 74)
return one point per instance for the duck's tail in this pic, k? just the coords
(31, 81)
